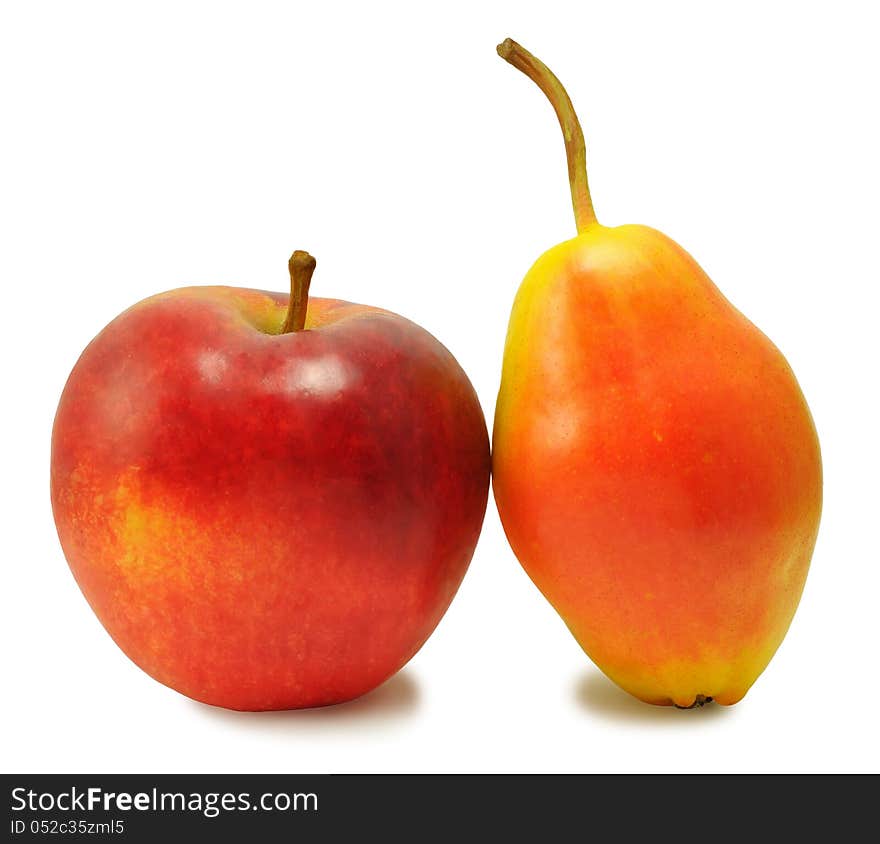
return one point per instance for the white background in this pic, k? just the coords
(148, 146)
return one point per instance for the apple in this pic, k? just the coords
(269, 502)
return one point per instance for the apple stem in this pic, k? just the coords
(301, 266)
(575, 150)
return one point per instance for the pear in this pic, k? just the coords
(656, 468)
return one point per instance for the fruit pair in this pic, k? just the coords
(270, 501)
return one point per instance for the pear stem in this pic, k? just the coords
(301, 266)
(575, 150)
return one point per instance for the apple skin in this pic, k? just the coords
(265, 520)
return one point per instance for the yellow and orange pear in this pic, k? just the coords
(656, 467)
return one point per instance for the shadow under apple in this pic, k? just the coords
(396, 698)
(595, 693)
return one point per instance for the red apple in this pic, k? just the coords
(268, 503)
